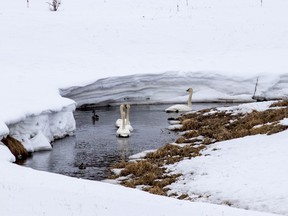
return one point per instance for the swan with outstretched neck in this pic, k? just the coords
(123, 131)
(124, 108)
(182, 107)
(119, 121)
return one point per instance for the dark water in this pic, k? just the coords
(95, 143)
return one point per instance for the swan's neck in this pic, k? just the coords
(127, 116)
(190, 99)
(123, 120)
(121, 111)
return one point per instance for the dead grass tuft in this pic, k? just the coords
(172, 153)
(180, 140)
(157, 190)
(140, 168)
(280, 103)
(150, 172)
(224, 126)
(16, 147)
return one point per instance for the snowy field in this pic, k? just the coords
(225, 44)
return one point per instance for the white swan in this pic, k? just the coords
(123, 131)
(128, 124)
(119, 121)
(182, 107)
(125, 109)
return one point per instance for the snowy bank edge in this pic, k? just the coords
(169, 87)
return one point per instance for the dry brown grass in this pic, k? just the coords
(157, 190)
(280, 103)
(150, 171)
(16, 147)
(140, 168)
(170, 154)
(224, 126)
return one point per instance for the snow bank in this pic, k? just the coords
(171, 87)
(51, 194)
(36, 132)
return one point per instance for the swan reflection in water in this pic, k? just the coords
(123, 145)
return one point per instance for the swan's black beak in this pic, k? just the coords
(187, 90)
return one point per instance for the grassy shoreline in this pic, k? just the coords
(199, 130)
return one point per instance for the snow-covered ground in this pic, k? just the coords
(221, 46)
(29, 192)
(248, 173)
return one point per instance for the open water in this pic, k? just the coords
(95, 143)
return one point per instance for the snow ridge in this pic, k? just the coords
(170, 87)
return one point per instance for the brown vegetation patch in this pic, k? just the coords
(16, 147)
(170, 154)
(224, 126)
(140, 168)
(150, 171)
(156, 190)
(280, 103)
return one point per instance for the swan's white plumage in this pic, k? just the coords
(123, 131)
(178, 108)
(127, 114)
(118, 123)
(182, 107)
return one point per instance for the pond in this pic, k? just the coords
(95, 143)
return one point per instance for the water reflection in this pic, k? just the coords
(123, 146)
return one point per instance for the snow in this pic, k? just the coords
(149, 52)
(3, 129)
(5, 154)
(37, 131)
(140, 154)
(284, 121)
(247, 108)
(40, 142)
(247, 172)
(50, 194)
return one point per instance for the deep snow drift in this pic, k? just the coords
(171, 87)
